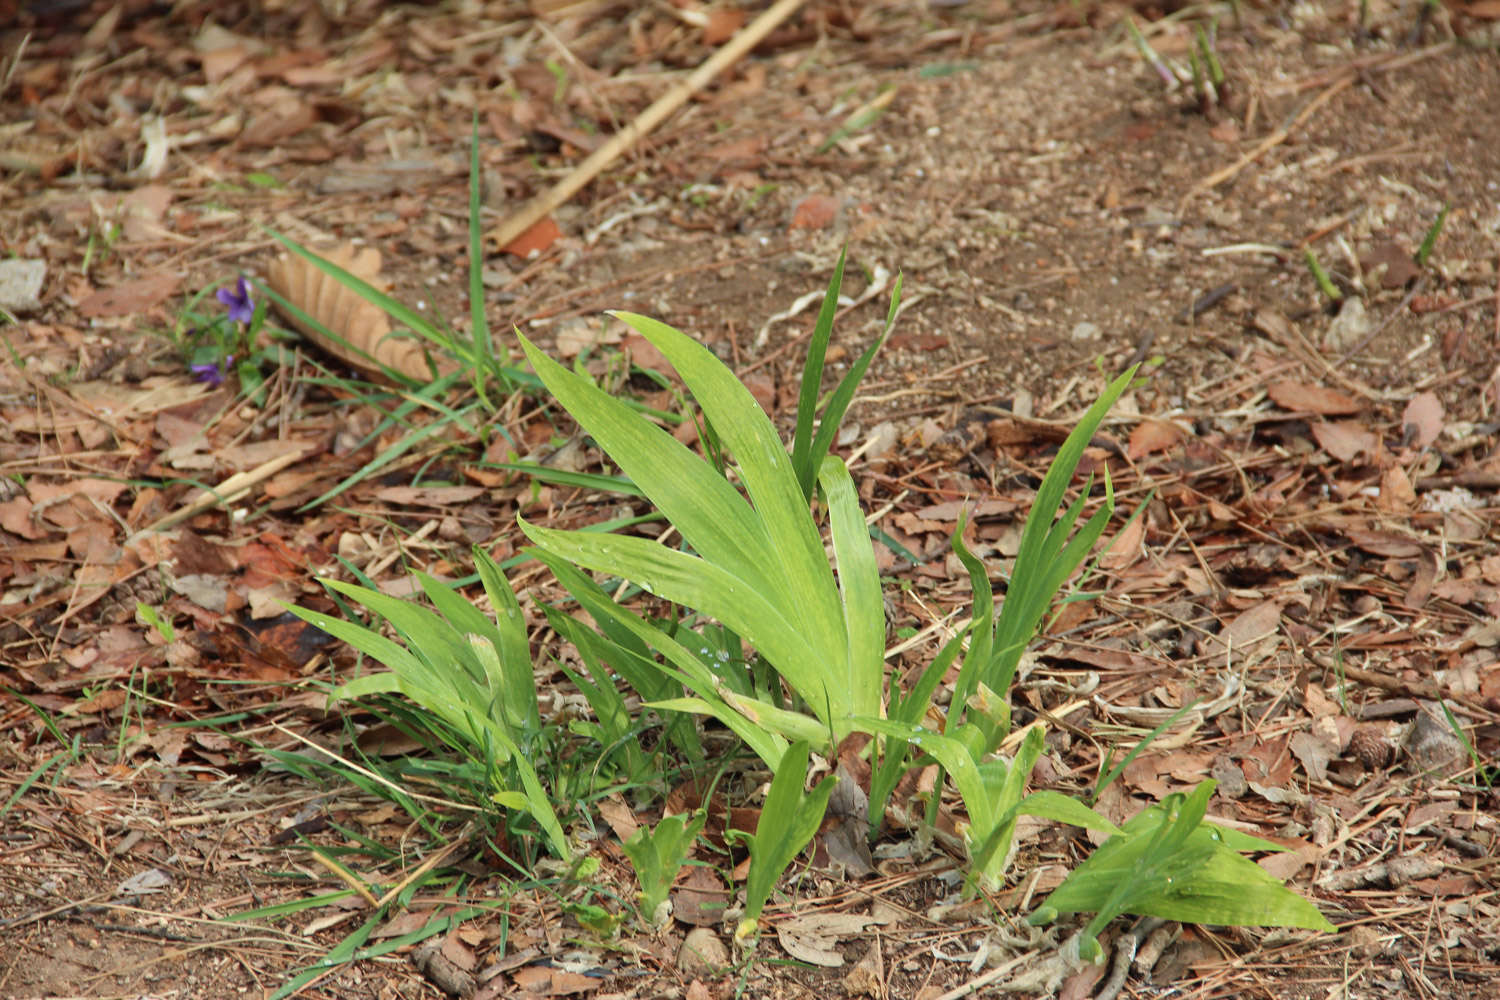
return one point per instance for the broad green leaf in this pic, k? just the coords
(788, 820)
(695, 583)
(708, 512)
(1168, 863)
(1065, 809)
(794, 561)
(859, 583)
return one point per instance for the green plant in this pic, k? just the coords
(1325, 283)
(1167, 862)
(1433, 231)
(152, 618)
(756, 565)
(787, 822)
(657, 854)
(471, 673)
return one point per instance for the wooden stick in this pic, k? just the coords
(229, 491)
(535, 210)
(1276, 138)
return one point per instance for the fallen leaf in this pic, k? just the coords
(1393, 262)
(1252, 634)
(533, 241)
(1303, 397)
(1422, 420)
(130, 298)
(1152, 436)
(816, 211)
(1346, 440)
(812, 937)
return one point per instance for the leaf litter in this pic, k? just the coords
(1317, 571)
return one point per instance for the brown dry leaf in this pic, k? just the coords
(1423, 419)
(345, 313)
(1252, 633)
(143, 209)
(722, 23)
(1346, 440)
(1394, 263)
(1304, 397)
(1152, 435)
(542, 981)
(1484, 10)
(1396, 493)
(1125, 547)
(700, 899)
(816, 211)
(533, 241)
(813, 937)
(132, 297)
(620, 817)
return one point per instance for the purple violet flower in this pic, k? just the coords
(212, 373)
(241, 308)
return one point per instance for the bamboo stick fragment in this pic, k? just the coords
(535, 210)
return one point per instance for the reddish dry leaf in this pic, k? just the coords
(535, 240)
(1151, 436)
(1346, 440)
(816, 211)
(1304, 397)
(541, 981)
(1423, 419)
(1484, 10)
(722, 23)
(644, 354)
(130, 298)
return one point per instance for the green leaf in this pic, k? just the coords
(1168, 863)
(859, 583)
(804, 460)
(788, 820)
(658, 854)
(794, 560)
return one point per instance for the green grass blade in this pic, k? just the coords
(804, 460)
(838, 403)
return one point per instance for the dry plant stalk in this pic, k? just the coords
(342, 311)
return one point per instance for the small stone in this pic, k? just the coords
(703, 953)
(1349, 327)
(1431, 746)
(21, 285)
(1086, 331)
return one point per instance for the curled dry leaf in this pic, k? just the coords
(342, 311)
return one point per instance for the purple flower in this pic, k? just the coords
(241, 308)
(212, 373)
